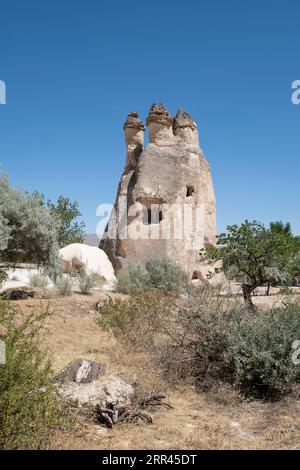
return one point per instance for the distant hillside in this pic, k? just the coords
(91, 240)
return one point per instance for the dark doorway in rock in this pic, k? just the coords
(190, 191)
(197, 275)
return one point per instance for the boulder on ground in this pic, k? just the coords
(106, 391)
(92, 259)
(110, 399)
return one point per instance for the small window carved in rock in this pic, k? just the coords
(197, 275)
(190, 191)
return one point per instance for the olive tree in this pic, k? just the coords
(28, 232)
(71, 229)
(67, 213)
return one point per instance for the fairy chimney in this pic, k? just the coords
(165, 204)
(134, 139)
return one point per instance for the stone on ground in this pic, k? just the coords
(107, 391)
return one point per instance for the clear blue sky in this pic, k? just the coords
(74, 69)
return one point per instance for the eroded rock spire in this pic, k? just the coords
(133, 122)
(159, 114)
(160, 125)
(185, 128)
(134, 138)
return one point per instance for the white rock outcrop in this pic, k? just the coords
(77, 255)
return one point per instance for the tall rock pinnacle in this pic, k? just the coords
(165, 205)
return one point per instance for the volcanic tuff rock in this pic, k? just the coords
(170, 176)
(105, 391)
(93, 260)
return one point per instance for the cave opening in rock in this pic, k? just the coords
(197, 275)
(190, 191)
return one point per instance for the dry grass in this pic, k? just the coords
(220, 419)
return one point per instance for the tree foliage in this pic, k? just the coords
(32, 230)
(30, 410)
(294, 262)
(28, 232)
(155, 274)
(66, 214)
(254, 255)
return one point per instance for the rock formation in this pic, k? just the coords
(93, 260)
(81, 371)
(165, 205)
(106, 391)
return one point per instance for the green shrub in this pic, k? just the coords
(64, 286)
(164, 275)
(3, 276)
(137, 320)
(86, 281)
(285, 290)
(117, 315)
(211, 338)
(159, 274)
(131, 279)
(259, 350)
(30, 410)
(251, 350)
(39, 280)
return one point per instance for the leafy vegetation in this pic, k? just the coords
(207, 338)
(156, 274)
(255, 256)
(39, 280)
(66, 213)
(32, 231)
(28, 231)
(29, 407)
(140, 320)
(259, 350)
(86, 281)
(3, 276)
(64, 285)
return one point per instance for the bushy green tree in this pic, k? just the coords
(280, 227)
(28, 232)
(4, 233)
(286, 230)
(254, 256)
(66, 213)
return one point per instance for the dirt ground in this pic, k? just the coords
(198, 420)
